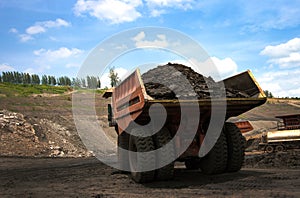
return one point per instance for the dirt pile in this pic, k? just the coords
(286, 159)
(19, 136)
(172, 81)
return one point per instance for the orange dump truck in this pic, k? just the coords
(132, 107)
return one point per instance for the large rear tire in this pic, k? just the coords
(236, 143)
(215, 161)
(166, 155)
(141, 158)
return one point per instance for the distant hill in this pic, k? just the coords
(273, 107)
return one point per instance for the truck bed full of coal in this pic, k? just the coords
(177, 81)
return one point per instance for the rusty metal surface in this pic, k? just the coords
(130, 99)
(244, 126)
(289, 122)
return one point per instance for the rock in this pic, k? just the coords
(54, 153)
(61, 154)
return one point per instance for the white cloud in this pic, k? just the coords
(105, 80)
(183, 4)
(283, 49)
(63, 57)
(60, 53)
(13, 30)
(6, 67)
(57, 23)
(281, 83)
(25, 37)
(114, 11)
(286, 55)
(121, 47)
(53, 38)
(226, 67)
(38, 28)
(73, 65)
(156, 12)
(31, 70)
(159, 41)
(159, 7)
(41, 27)
(277, 15)
(217, 68)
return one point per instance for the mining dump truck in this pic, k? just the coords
(130, 104)
(287, 135)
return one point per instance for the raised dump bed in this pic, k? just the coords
(130, 109)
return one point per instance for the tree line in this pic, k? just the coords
(91, 82)
(15, 77)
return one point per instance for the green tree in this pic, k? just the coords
(98, 83)
(49, 80)
(35, 79)
(67, 81)
(92, 82)
(268, 94)
(61, 81)
(26, 78)
(76, 82)
(114, 78)
(17, 77)
(64, 81)
(44, 80)
(53, 80)
(83, 82)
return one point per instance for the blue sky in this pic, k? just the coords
(55, 37)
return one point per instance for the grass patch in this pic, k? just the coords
(96, 91)
(14, 90)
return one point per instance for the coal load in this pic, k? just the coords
(177, 81)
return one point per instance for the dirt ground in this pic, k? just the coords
(41, 155)
(87, 177)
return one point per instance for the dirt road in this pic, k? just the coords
(87, 177)
(51, 119)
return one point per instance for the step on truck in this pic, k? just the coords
(129, 111)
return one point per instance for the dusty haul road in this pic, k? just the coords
(87, 177)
